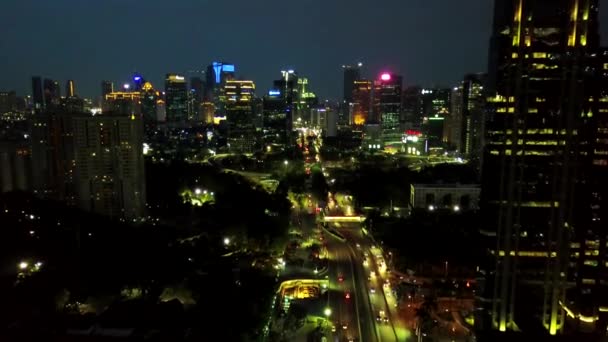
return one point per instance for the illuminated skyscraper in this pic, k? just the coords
(176, 97)
(549, 253)
(361, 102)
(217, 73)
(70, 89)
(387, 106)
(237, 97)
(277, 126)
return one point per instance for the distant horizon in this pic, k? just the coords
(431, 44)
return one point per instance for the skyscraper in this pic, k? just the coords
(387, 106)
(148, 96)
(52, 94)
(535, 194)
(412, 108)
(197, 95)
(109, 172)
(176, 97)
(276, 120)
(351, 74)
(361, 102)
(238, 98)
(70, 88)
(217, 73)
(37, 94)
(473, 106)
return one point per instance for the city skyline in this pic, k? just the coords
(316, 43)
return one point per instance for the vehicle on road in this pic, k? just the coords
(347, 295)
(340, 278)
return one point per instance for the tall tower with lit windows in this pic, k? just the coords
(548, 267)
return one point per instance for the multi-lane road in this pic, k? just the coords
(356, 267)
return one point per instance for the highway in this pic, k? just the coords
(361, 311)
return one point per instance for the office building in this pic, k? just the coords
(412, 108)
(454, 126)
(387, 107)
(217, 73)
(109, 165)
(351, 74)
(539, 194)
(176, 98)
(148, 98)
(361, 102)
(37, 94)
(276, 120)
(473, 107)
(237, 97)
(196, 98)
(435, 110)
(52, 94)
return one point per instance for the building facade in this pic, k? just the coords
(237, 98)
(387, 106)
(109, 165)
(537, 167)
(176, 99)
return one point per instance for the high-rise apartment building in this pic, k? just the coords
(176, 97)
(237, 97)
(123, 102)
(109, 165)
(545, 147)
(387, 106)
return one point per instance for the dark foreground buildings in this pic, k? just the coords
(545, 170)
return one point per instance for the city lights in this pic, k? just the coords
(385, 76)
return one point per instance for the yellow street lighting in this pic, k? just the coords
(327, 312)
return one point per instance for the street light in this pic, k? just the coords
(456, 208)
(286, 162)
(327, 312)
(226, 241)
(197, 191)
(23, 265)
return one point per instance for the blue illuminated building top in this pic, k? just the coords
(274, 92)
(219, 67)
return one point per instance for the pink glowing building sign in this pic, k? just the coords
(385, 76)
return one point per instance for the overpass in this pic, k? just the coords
(345, 219)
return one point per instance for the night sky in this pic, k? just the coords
(429, 42)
